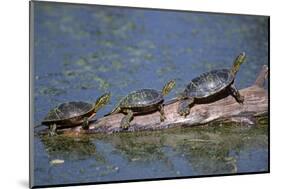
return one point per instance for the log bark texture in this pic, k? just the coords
(223, 110)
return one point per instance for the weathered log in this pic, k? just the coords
(223, 110)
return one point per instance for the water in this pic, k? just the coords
(80, 52)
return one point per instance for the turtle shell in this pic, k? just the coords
(142, 98)
(69, 114)
(209, 83)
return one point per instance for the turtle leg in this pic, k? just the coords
(184, 106)
(162, 113)
(235, 93)
(52, 130)
(125, 122)
(85, 124)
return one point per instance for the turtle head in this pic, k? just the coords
(168, 87)
(101, 101)
(237, 63)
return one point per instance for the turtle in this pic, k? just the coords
(142, 101)
(73, 113)
(211, 86)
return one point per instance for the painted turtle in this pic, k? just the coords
(141, 102)
(71, 114)
(211, 86)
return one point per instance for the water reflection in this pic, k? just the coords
(217, 149)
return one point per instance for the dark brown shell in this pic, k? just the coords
(209, 83)
(70, 113)
(141, 98)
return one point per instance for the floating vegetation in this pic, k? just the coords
(117, 65)
(51, 91)
(187, 50)
(82, 62)
(165, 70)
(106, 43)
(69, 73)
(102, 83)
(146, 44)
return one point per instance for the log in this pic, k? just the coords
(223, 110)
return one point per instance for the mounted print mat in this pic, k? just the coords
(123, 94)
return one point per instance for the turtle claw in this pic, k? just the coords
(162, 113)
(52, 134)
(184, 107)
(184, 113)
(124, 125)
(162, 118)
(85, 124)
(241, 100)
(235, 93)
(52, 130)
(125, 122)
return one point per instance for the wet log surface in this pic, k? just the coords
(223, 110)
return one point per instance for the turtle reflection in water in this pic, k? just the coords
(142, 101)
(211, 86)
(73, 113)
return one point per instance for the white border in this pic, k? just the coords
(14, 92)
